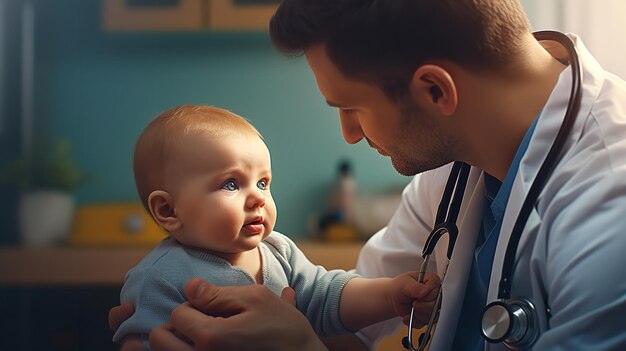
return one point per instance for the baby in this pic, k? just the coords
(204, 174)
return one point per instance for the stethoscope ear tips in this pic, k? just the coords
(405, 342)
(421, 340)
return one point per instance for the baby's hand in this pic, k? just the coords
(406, 292)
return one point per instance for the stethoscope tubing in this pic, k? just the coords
(450, 205)
(549, 163)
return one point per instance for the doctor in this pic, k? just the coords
(429, 82)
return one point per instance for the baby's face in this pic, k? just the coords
(221, 191)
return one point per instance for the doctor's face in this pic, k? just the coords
(399, 130)
(221, 191)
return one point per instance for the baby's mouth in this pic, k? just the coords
(255, 226)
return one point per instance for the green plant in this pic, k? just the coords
(45, 170)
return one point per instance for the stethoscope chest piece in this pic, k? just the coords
(513, 322)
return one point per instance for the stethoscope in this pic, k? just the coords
(511, 321)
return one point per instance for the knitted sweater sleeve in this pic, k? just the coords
(318, 291)
(154, 298)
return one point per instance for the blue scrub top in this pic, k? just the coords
(468, 335)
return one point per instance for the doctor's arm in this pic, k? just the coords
(583, 271)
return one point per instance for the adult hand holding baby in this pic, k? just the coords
(241, 318)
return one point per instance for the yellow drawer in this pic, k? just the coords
(115, 224)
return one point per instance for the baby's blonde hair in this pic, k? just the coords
(157, 140)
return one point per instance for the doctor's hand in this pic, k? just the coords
(406, 292)
(235, 318)
(119, 314)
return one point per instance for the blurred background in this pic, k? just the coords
(80, 79)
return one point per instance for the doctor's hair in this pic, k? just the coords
(384, 41)
(159, 140)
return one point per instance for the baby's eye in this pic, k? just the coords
(230, 185)
(262, 184)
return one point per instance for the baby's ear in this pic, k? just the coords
(161, 207)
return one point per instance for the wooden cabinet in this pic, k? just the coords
(84, 265)
(186, 15)
(240, 14)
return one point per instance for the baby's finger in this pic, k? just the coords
(422, 311)
(432, 280)
(417, 322)
(416, 290)
(405, 319)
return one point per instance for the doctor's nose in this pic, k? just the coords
(351, 128)
(256, 199)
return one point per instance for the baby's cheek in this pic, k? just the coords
(228, 221)
(271, 213)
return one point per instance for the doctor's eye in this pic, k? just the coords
(262, 184)
(230, 185)
(346, 111)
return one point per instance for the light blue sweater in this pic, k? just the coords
(156, 286)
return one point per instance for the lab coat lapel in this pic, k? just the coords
(545, 132)
(519, 192)
(547, 128)
(456, 279)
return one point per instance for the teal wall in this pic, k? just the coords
(9, 108)
(99, 89)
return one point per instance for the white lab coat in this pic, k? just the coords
(572, 255)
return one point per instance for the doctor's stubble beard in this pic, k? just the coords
(421, 146)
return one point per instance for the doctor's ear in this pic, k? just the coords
(432, 85)
(161, 207)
